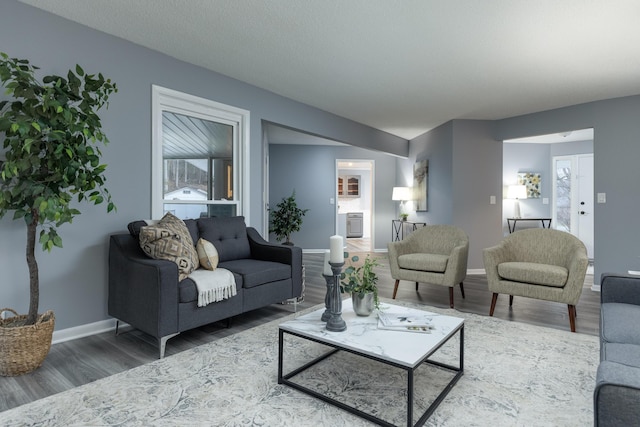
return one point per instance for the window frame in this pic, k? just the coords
(163, 99)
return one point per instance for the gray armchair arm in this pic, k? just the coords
(493, 256)
(620, 288)
(616, 395)
(142, 291)
(457, 265)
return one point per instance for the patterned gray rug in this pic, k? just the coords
(515, 375)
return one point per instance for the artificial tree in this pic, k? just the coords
(286, 218)
(51, 140)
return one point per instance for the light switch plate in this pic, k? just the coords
(602, 197)
(492, 200)
(545, 200)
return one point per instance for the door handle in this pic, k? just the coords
(583, 213)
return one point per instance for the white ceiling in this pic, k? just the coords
(402, 66)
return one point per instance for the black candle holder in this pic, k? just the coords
(335, 323)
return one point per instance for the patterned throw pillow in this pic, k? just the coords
(169, 239)
(207, 254)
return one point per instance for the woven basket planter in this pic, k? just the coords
(24, 348)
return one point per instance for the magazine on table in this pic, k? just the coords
(406, 323)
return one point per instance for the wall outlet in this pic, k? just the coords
(332, 201)
(545, 200)
(602, 198)
(492, 200)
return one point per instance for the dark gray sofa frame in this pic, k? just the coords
(145, 292)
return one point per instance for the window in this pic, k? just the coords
(200, 149)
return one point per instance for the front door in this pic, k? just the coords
(573, 197)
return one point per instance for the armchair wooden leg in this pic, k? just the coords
(462, 289)
(451, 297)
(395, 289)
(510, 300)
(494, 299)
(572, 317)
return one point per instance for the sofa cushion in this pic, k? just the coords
(228, 235)
(255, 272)
(619, 323)
(170, 240)
(626, 354)
(423, 262)
(531, 272)
(207, 254)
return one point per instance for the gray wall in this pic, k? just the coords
(462, 176)
(526, 158)
(616, 152)
(310, 169)
(74, 279)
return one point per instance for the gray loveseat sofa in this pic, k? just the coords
(616, 397)
(146, 293)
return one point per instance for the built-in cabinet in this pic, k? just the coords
(349, 186)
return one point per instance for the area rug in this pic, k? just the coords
(515, 375)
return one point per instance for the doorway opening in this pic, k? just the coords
(354, 211)
(563, 164)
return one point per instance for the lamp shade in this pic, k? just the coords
(401, 193)
(516, 192)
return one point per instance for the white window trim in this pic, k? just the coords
(163, 99)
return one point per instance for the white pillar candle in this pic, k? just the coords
(327, 267)
(335, 245)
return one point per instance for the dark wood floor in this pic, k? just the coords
(73, 363)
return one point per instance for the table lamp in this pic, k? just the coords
(401, 194)
(516, 192)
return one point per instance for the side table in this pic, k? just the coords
(398, 226)
(512, 227)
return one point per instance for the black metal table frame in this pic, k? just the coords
(515, 221)
(397, 228)
(284, 379)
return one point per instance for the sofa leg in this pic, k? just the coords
(395, 289)
(510, 300)
(572, 317)
(451, 297)
(162, 343)
(494, 299)
(416, 286)
(462, 289)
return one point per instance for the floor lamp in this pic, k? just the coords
(516, 192)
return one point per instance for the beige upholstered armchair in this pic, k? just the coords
(434, 254)
(538, 263)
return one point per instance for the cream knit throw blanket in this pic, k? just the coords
(213, 285)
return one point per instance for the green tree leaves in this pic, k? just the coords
(50, 131)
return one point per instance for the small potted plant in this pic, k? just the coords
(286, 218)
(361, 282)
(404, 216)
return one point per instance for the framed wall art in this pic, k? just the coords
(420, 185)
(532, 181)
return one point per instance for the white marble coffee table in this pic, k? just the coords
(405, 350)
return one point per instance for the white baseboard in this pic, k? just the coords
(595, 288)
(473, 271)
(83, 331)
